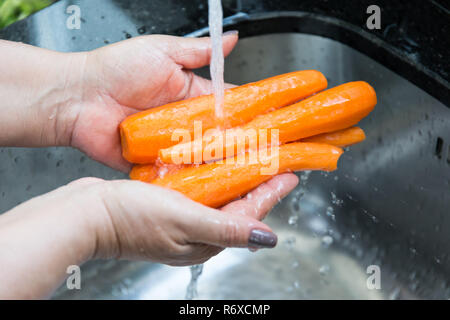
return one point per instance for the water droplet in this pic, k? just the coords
(290, 242)
(324, 270)
(293, 219)
(142, 30)
(295, 206)
(326, 241)
(395, 294)
(413, 285)
(304, 177)
(335, 200)
(330, 213)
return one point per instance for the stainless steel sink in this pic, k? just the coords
(387, 205)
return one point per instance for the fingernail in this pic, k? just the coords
(231, 33)
(262, 239)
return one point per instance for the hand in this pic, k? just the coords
(92, 218)
(79, 99)
(146, 222)
(131, 76)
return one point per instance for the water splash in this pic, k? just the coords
(335, 200)
(304, 177)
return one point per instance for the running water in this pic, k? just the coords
(191, 291)
(217, 61)
(216, 70)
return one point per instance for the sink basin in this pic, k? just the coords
(385, 207)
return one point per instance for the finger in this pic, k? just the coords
(192, 53)
(197, 86)
(202, 252)
(110, 155)
(261, 200)
(221, 229)
(86, 181)
(195, 223)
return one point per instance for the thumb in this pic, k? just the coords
(192, 53)
(230, 230)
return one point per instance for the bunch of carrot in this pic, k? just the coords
(312, 125)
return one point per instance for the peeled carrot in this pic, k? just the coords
(215, 184)
(340, 138)
(149, 172)
(331, 110)
(144, 133)
(144, 172)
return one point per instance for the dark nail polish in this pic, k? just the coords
(231, 33)
(262, 239)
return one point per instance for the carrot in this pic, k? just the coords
(144, 133)
(330, 110)
(149, 172)
(215, 184)
(340, 138)
(144, 172)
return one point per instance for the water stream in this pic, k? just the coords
(217, 59)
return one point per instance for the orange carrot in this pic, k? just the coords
(331, 110)
(144, 172)
(215, 184)
(340, 138)
(149, 172)
(144, 133)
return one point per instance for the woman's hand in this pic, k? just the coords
(146, 222)
(131, 76)
(92, 218)
(79, 99)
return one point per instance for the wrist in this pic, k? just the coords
(40, 95)
(63, 102)
(93, 202)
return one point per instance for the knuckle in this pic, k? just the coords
(230, 234)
